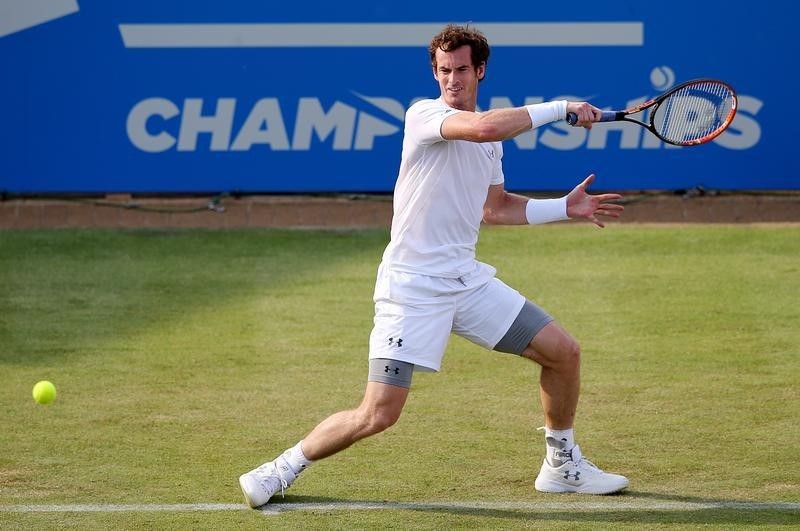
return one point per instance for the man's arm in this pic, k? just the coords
(490, 126)
(504, 208)
(501, 124)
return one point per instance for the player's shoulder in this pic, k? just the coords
(425, 110)
(426, 105)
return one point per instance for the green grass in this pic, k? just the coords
(184, 358)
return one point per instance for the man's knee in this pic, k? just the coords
(555, 347)
(385, 418)
(377, 419)
(381, 407)
(570, 352)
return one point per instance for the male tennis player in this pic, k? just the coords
(430, 285)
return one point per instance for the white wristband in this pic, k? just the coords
(544, 113)
(539, 211)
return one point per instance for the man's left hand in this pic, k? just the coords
(580, 204)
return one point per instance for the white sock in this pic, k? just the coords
(559, 445)
(296, 459)
(567, 436)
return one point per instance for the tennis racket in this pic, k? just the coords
(689, 114)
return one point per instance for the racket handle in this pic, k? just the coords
(608, 116)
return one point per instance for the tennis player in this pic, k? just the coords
(429, 283)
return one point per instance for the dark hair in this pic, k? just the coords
(453, 37)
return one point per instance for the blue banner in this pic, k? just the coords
(262, 97)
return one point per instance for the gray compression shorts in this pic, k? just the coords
(390, 372)
(529, 322)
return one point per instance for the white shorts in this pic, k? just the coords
(415, 314)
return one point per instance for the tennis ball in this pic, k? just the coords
(44, 392)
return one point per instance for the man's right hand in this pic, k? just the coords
(586, 113)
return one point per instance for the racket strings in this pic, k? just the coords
(695, 112)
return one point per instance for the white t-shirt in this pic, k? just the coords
(439, 196)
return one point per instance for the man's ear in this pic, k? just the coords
(481, 71)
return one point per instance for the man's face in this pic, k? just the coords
(458, 78)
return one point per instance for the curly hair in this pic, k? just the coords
(453, 37)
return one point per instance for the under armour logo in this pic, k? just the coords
(398, 342)
(387, 369)
(576, 476)
(490, 152)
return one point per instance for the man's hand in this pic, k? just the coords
(583, 205)
(586, 113)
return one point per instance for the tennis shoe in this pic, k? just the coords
(260, 484)
(578, 475)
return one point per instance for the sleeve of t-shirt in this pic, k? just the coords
(424, 121)
(498, 177)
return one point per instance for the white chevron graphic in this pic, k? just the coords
(18, 15)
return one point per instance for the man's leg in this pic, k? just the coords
(564, 469)
(380, 409)
(535, 335)
(559, 384)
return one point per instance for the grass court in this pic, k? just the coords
(184, 358)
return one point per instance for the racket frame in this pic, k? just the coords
(653, 104)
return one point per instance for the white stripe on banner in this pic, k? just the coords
(374, 35)
(17, 15)
(632, 504)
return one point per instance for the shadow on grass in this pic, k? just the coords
(629, 508)
(65, 292)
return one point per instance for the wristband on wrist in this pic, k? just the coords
(544, 113)
(539, 211)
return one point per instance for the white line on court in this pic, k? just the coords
(374, 34)
(634, 504)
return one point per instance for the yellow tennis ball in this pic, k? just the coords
(44, 392)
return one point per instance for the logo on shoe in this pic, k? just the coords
(575, 475)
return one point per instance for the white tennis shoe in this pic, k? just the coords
(260, 484)
(578, 475)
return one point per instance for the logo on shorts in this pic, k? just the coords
(395, 369)
(395, 342)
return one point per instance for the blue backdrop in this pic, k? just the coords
(251, 96)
